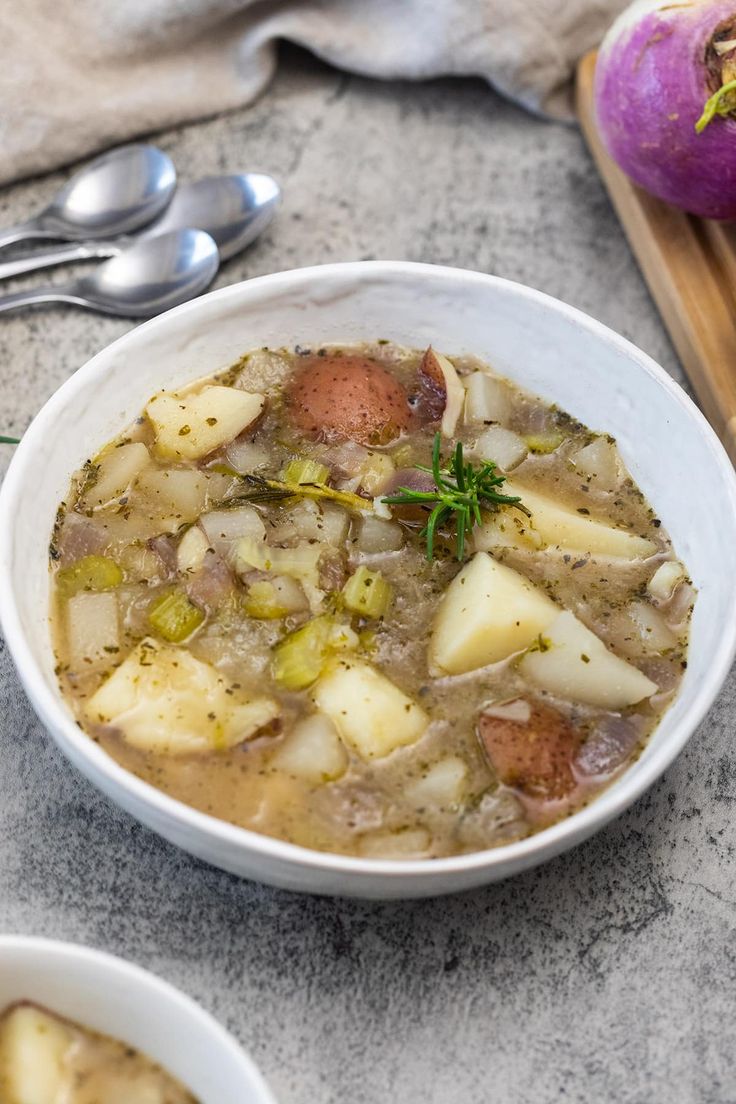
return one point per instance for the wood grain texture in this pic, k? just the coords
(690, 267)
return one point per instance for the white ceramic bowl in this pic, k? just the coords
(126, 1002)
(546, 346)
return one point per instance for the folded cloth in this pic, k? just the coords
(77, 76)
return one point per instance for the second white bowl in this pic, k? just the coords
(118, 999)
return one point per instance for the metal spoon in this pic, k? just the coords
(114, 194)
(234, 210)
(150, 277)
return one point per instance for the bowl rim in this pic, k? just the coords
(542, 845)
(146, 984)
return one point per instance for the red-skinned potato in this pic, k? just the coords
(347, 397)
(531, 749)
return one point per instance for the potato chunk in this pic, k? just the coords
(575, 664)
(116, 470)
(93, 630)
(442, 785)
(566, 528)
(532, 752)
(488, 612)
(190, 426)
(371, 714)
(163, 699)
(312, 751)
(33, 1058)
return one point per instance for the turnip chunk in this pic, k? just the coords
(188, 427)
(371, 714)
(576, 665)
(191, 551)
(312, 751)
(488, 612)
(92, 628)
(653, 629)
(246, 457)
(505, 448)
(175, 495)
(665, 579)
(165, 700)
(565, 528)
(600, 461)
(487, 399)
(34, 1050)
(224, 527)
(442, 785)
(407, 843)
(115, 472)
(377, 535)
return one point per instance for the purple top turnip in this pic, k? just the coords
(665, 93)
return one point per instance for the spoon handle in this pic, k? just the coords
(59, 254)
(62, 293)
(21, 232)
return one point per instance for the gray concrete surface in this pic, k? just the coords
(606, 976)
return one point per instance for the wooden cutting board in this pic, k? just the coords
(690, 267)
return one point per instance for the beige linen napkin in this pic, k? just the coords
(77, 76)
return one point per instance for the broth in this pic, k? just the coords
(244, 622)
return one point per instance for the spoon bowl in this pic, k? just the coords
(233, 209)
(148, 278)
(116, 193)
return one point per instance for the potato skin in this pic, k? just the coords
(534, 756)
(347, 397)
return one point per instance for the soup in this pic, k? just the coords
(45, 1059)
(370, 600)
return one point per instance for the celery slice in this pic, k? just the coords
(173, 616)
(367, 593)
(300, 658)
(543, 443)
(89, 573)
(305, 471)
(263, 602)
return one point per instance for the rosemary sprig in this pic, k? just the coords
(461, 492)
(9, 440)
(259, 489)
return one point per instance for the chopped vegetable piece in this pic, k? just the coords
(565, 527)
(488, 612)
(367, 593)
(305, 471)
(543, 443)
(92, 630)
(299, 659)
(89, 573)
(270, 599)
(192, 550)
(165, 700)
(371, 713)
(34, 1057)
(576, 665)
(533, 754)
(664, 580)
(189, 426)
(312, 751)
(116, 469)
(174, 617)
(442, 785)
(487, 399)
